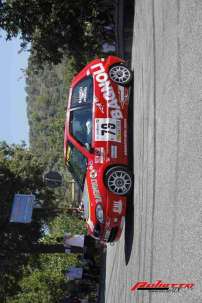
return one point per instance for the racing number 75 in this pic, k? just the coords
(108, 128)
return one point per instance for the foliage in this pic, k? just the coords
(44, 284)
(61, 225)
(47, 92)
(61, 37)
(21, 172)
(57, 27)
(44, 278)
(25, 278)
(46, 99)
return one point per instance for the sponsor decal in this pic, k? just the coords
(99, 155)
(114, 151)
(82, 94)
(107, 90)
(123, 96)
(107, 129)
(98, 104)
(93, 174)
(117, 207)
(96, 191)
(125, 138)
(160, 286)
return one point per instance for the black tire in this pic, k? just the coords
(119, 180)
(120, 74)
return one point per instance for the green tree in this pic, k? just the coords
(20, 171)
(54, 27)
(47, 91)
(28, 253)
(43, 278)
(46, 283)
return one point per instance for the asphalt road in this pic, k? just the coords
(162, 239)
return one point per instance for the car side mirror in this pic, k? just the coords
(89, 147)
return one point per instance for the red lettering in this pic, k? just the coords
(158, 284)
(141, 284)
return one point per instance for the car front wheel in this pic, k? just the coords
(120, 74)
(119, 180)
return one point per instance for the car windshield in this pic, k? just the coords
(76, 163)
(81, 125)
(82, 93)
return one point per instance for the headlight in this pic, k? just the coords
(99, 213)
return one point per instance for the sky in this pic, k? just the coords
(13, 118)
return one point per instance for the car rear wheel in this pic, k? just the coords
(119, 180)
(120, 74)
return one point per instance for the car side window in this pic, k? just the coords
(76, 163)
(81, 125)
(83, 92)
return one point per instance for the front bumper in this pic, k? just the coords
(113, 234)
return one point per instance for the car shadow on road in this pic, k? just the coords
(129, 229)
(102, 282)
(129, 224)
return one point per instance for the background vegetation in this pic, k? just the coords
(61, 36)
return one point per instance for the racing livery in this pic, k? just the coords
(95, 143)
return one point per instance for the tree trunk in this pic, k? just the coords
(40, 248)
(56, 211)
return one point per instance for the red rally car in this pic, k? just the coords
(95, 144)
